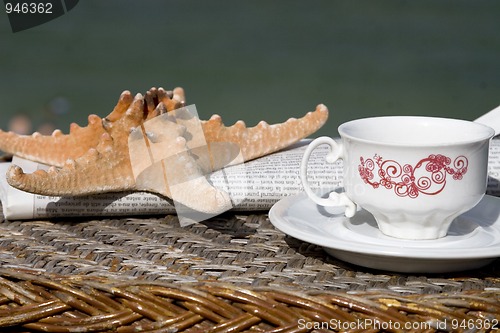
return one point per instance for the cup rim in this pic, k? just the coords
(488, 132)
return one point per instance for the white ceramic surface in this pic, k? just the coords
(414, 174)
(473, 239)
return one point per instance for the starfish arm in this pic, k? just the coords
(105, 168)
(171, 169)
(95, 172)
(184, 182)
(53, 149)
(264, 139)
(57, 148)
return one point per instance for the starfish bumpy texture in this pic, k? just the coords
(97, 158)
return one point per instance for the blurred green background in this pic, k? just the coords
(257, 60)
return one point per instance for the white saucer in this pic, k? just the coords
(473, 240)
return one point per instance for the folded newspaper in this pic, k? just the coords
(259, 185)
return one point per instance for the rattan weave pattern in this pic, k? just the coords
(238, 249)
(233, 273)
(244, 250)
(33, 302)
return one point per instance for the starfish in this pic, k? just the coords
(57, 148)
(136, 127)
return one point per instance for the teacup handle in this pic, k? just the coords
(334, 198)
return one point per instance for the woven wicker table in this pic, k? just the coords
(233, 273)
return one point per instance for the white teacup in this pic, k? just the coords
(414, 174)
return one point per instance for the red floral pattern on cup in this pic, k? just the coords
(428, 176)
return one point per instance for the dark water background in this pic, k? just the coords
(255, 60)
